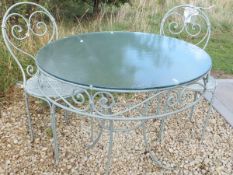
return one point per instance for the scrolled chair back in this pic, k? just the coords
(188, 22)
(26, 27)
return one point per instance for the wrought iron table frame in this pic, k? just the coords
(99, 103)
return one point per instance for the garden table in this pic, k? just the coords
(107, 65)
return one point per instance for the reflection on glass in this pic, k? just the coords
(124, 60)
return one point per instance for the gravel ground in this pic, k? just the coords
(180, 147)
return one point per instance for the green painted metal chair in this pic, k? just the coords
(23, 35)
(190, 23)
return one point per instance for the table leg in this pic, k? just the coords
(95, 141)
(191, 115)
(92, 130)
(29, 120)
(151, 153)
(162, 121)
(193, 107)
(161, 130)
(66, 116)
(55, 142)
(110, 144)
(205, 123)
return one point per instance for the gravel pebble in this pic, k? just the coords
(19, 156)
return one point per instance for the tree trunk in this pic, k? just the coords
(96, 8)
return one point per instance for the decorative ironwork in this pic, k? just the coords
(30, 70)
(17, 28)
(98, 103)
(190, 22)
(105, 107)
(187, 20)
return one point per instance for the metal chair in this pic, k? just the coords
(190, 23)
(23, 35)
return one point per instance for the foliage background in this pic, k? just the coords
(69, 9)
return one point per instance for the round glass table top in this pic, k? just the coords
(124, 60)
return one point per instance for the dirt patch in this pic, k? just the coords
(221, 75)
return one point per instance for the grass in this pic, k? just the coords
(144, 16)
(8, 70)
(220, 49)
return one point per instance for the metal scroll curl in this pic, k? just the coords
(78, 97)
(38, 28)
(21, 31)
(176, 27)
(27, 27)
(103, 102)
(109, 105)
(17, 31)
(31, 70)
(179, 97)
(187, 20)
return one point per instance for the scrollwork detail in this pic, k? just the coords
(195, 29)
(183, 96)
(41, 27)
(172, 100)
(103, 101)
(187, 20)
(30, 70)
(78, 97)
(178, 97)
(17, 29)
(174, 27)
(81, 100)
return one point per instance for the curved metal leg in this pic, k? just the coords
(101, 124)
(29, 120)
(191, 115)
(94, 141)
(92, 130)
(193, 107)
(162, 121)
(152, 154)
(66, 116)
(109, 158)
(161, 132)
(53, 126)
(206, 120)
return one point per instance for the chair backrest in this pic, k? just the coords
(187, 22)
(27, 26)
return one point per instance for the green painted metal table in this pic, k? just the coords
(107, 65)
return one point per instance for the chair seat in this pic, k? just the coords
(48, 87)
(209, 87)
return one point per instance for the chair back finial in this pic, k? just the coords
(27, 26)
(188, 22)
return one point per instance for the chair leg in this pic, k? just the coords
(95, 140)
(206, 120)
(55, 140)
(193, 108)
(191, 115)
(66, 116)
(110, 144)
(92, 130)
(161, 132)
(29, 120)
(152, 155)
